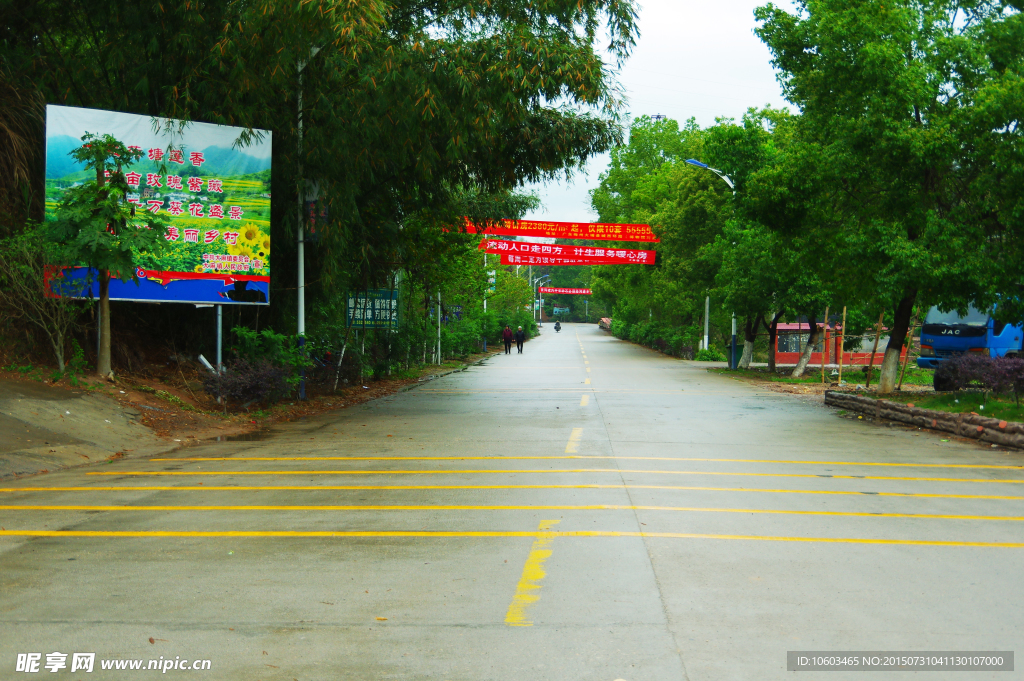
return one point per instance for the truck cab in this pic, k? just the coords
(947, 334)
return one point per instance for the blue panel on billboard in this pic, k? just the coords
(153, 289)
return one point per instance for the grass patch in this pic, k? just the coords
(852, 375)
(984, 404)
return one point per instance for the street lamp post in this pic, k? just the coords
(540, 298)
(707, 301)
(301, 239)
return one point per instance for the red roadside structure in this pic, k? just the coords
(792, 339)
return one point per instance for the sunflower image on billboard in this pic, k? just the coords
(211, 182)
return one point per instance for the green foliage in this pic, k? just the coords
(273, 348)
(95, 225)
(710, 354)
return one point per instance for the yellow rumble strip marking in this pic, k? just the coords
(621, 458)
(487, 534)
(543, 507)
(570, 448)
(353, 488)
(528, 589)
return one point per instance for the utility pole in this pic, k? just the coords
(439, 327)
(707, 313)
(732, 360)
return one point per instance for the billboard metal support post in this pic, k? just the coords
(220, 339)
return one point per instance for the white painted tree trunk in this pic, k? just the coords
(805, 356)
(890, 371)
(748, 354)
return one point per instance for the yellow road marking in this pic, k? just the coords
(316, 488)
(596, 457)
(533, 572)
(586, 362)
(588, 370)
(587, 382)
(573, 445)
(543, 507)
(584, 400)
(488, 534)
(570, 448)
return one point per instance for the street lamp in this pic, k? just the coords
(540, 313)
(728, 180)
(707, 301)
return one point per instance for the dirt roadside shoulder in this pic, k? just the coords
(45, 427)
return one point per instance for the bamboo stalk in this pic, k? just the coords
(909, 344)
(842, 336)
(874, 349)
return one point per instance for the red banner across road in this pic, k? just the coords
(512, 259)
(567, 230)
(568, 291)
(580, 255)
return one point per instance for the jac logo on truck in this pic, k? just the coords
(951, 332)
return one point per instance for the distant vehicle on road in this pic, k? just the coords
(947, 334)
(605, 323)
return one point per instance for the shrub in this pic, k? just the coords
(247, 383)
(709, 355)
(999, 375)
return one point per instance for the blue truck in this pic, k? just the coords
(947, 334)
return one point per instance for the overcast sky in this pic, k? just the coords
(693, 58)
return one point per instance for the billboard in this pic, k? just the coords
(373, 309)
(214, 191)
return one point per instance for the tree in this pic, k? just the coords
(97, 227)
(33, 288)
(896, 155)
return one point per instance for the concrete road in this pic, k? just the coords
(586, 510)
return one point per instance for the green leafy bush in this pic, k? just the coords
(276, 349)
(709, 355)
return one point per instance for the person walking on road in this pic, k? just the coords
(506, 336)
(520, 337)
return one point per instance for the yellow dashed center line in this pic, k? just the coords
(573, 445)
(528, 589)
(584, 400)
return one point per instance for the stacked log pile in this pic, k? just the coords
(969, 425)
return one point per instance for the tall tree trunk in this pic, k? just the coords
(890, 371)
(773, 336)
(103, 361)
(749, 336)
(805, 356)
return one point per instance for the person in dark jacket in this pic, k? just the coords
(506, 336)
(520, 337)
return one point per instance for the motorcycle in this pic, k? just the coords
(558, 327)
